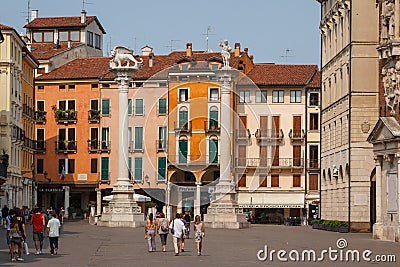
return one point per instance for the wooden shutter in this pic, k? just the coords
(274, 180)
(242, 156)
(277, 125)
(297, 156)
(313, 182)
(263, 126)
(275, 161)
(242, 181)
(263, 181)
(263, 156)
(297, 126)
(296, 180)
(243, 126)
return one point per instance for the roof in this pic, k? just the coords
(379, 134)
(46, 50)
(315, 81)
(5, 27)
(277, 74)
(57, 22)
(81, 68)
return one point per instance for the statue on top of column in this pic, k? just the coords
(225, 53)
(120, 54)
(387, 20)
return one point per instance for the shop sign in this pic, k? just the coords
(50, 190)
(271, 206)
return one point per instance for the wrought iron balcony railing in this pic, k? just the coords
(66, 116)
(211, 127)
(94, 115)
(297, 135)
(269, 135)
(40, 116)
(66, 146)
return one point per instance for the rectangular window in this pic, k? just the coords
(89, 38)
(214, 94)
(129, 106)
(277, 96)
(74, 36)
(264, 181)
(94, 85)
(97, 41)
(313, 182)
(296, 180)
(214, 66)
(94, 104)
(40, 166)
(139, 108)
(48, 37)
(105, 168)
(183, 95)
(40, 105)
(314, 122)
(61, 87)
(138, 169)
(162, 138)
(66, 166)
(274, 180)
(244, 96)
(71, 86)
(93, 165)
(261, 96)
(38, 37)
(63, 36)
(295, 96)
(162, 166)
(138, 138)
(105, 106)
(71, 166)
(162, 106)
(314, 99)
(242, 181)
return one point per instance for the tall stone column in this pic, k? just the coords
(378, 197)
(98, 200)
(396, 19)
(168, 209)
(224, 211)
(122, 211)
(66, 200)
(197, 202)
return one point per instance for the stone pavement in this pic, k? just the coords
(82, 244)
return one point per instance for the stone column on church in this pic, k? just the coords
(98, 200)
(66, 200)
(197, 202)
(378, 171)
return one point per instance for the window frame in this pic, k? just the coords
(279, 98)
(261, 96)
(295, 97)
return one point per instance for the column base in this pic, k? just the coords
(225, 216)
(122, 211)
(386, 232)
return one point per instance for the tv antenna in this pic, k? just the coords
(171, 46)
(84, 2)
(27, 15)
(207, 34)
(286, 56)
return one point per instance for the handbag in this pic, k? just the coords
(173, 225)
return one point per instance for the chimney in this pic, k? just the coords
(83, 16)
(246, 50)
(189, 51)
(237, 49)
(69, 44)
(151, 59)
(34, 14)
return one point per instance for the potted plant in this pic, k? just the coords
(72, 212)
(85, 212)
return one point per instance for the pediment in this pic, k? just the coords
(386, 129)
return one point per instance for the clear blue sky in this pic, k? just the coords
(266, 27)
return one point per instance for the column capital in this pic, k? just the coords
(66, 188)
(377, 159)
(198, 183)
(97, 189)
(397, 155)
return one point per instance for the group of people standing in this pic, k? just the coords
(42, 223)
(178, 227)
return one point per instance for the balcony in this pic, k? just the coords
(212, 127)
(40, 116)
(66, 116)
(39, 145)
(66, 146)
(297, 135)
(161, 145)
(194, 160)
(269, 135)
(105, 146)
(243, 134)
(183, 127)
(252, 162)
(93, 116)
(93, 145)
(313, 164)
(28, 111)
(287, 163)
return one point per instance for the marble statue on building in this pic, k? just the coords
(120, 54)
(387, 20)
(391, 85)
(225, 53)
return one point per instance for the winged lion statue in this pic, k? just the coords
(120, 54)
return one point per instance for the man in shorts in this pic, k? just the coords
(38, 223)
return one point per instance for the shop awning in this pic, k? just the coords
(271, 200)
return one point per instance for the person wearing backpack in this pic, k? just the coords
(163, 228)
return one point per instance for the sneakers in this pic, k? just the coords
(20, 259)
(40, 252)
(12, 259)
(37, 253)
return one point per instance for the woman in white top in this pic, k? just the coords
(198, 233)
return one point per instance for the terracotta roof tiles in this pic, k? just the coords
(315, 81)
(5, 27)
(57, 22)
(46, 50)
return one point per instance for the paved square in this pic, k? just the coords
(82, 244)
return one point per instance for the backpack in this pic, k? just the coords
(164, 225)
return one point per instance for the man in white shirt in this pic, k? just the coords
(179, 232)
(53, 231)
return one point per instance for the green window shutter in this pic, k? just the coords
(138, 169)
(162, 165)
(162, 106)
(138, 137)
(213, 119)
(129, 106)
(130, 168)
(183, 147)
(213, 151)
(183, 119)
(104, 168)
(105, 106)
(138, 106)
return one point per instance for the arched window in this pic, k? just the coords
(213, 149)
(213, 118)
(183, 149)
(183, 117)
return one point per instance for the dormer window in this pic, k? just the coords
(68, 36)
(185, 66)
(43, 37)
(214, 66)
(89, 40)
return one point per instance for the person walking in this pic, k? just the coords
(4, 214)
(15, 238)
(150, 232)
(22, 229)
(178, 232)
(10, 215)
(53, 232)
(62, 215)
(38, 222)
(162, 227)
(198, 233)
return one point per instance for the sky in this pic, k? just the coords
(284, 31)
